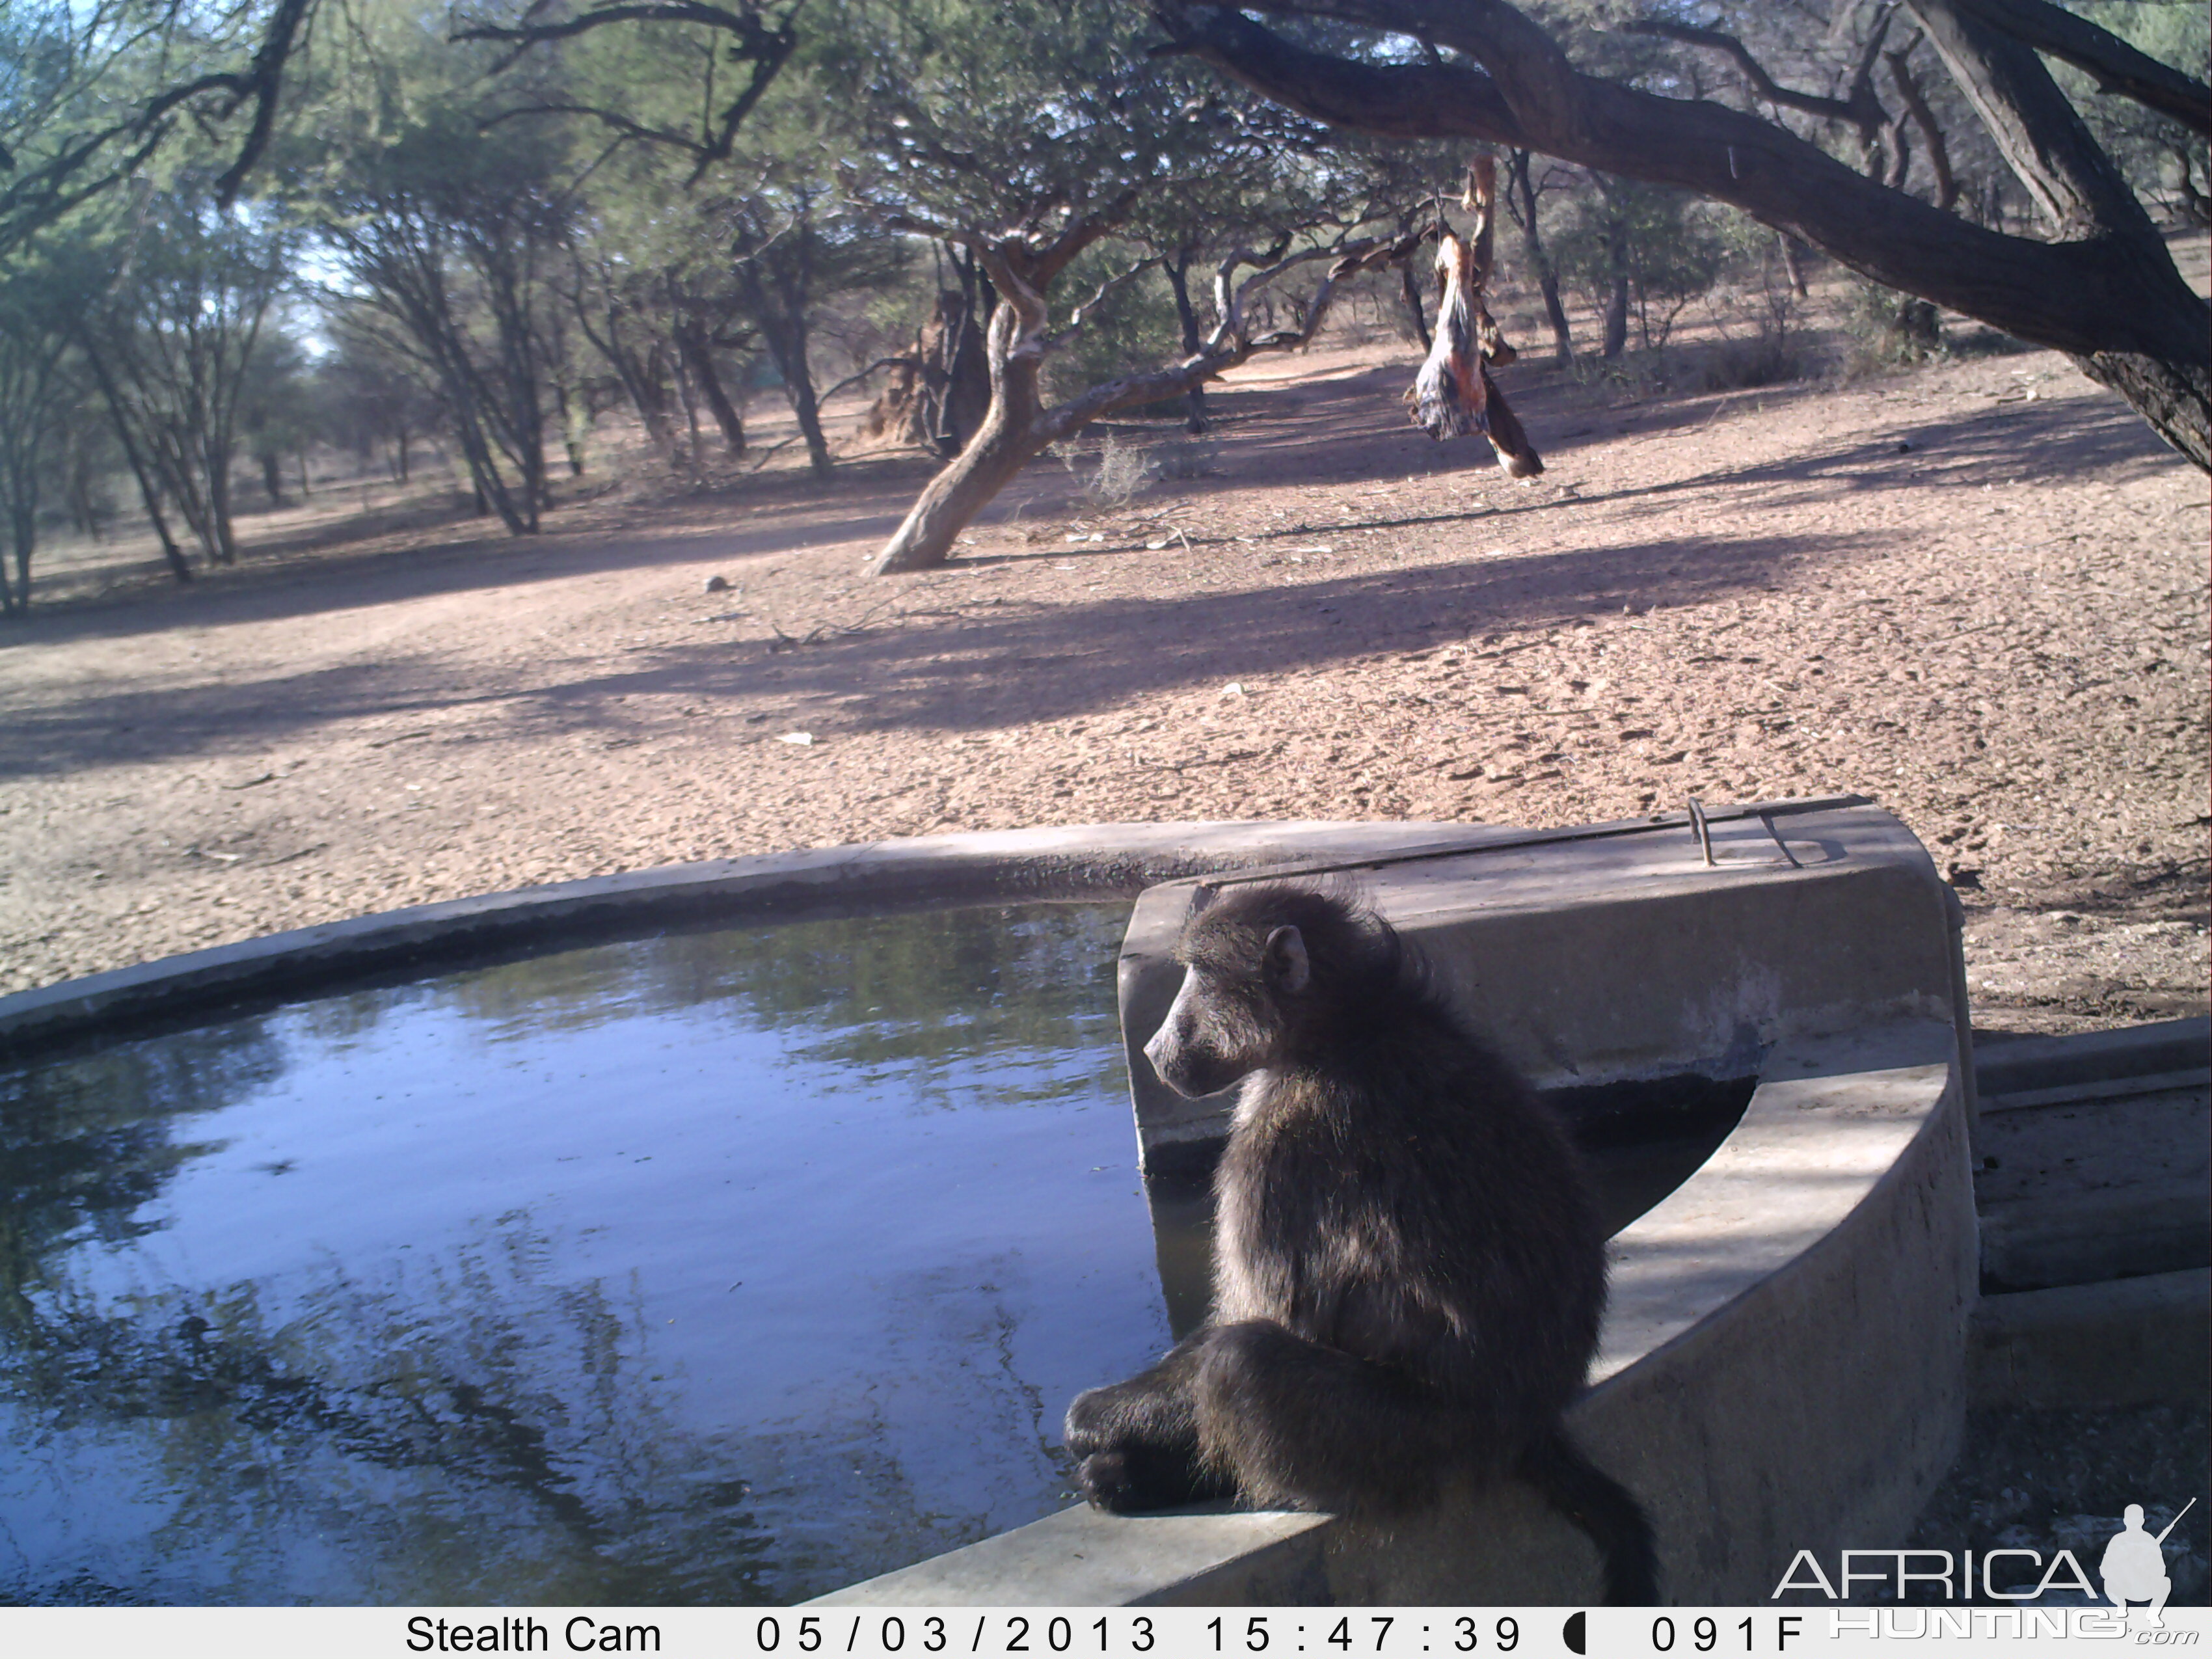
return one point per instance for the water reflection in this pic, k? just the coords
(724, 1266)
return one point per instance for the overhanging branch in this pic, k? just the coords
(754, 39)
(1527, 95)
(1861, 107)
(2116, 66)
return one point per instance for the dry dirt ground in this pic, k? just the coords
(1975, 591)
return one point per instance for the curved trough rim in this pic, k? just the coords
(1071, 863)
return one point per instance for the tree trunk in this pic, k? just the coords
(1616, 305)
(1521, 191)
(1793, 267)
(1410, 287)
(575, 423)
(23, 524)
(687, 393)
(1018, 427)
(149, 491)
(778, 304)
(1931, 131)
(1178, 276)
(788, 345)
(2195, 203)
(218, 503)
(2084, 195)
(691, 340)
(151, 496)
(1007, 441)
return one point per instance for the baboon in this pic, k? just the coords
(1409, 1263)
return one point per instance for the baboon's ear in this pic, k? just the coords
(1284, 962)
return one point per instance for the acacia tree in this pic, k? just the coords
(451, 233)
(1027, 156)
(727, 231)
(2104, 289)
(37, 303)
(94, 88)
(172, 341)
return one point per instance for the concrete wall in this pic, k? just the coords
(1783, 1364)
(1782, 1368)
(1782, 1361)
(1615, 953)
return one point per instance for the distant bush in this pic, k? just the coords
(1134, 330)
(1889, 330)
(1764, 338)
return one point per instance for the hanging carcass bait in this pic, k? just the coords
(1454, 394)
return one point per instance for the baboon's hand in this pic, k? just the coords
(1091, 1421)
(1107, 1481)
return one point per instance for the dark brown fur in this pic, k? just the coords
(1409, 1264)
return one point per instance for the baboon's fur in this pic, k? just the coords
(1408, 1260)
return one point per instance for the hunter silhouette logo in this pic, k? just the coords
(2134, 1565)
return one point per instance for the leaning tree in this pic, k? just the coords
(2102, 287)
(1035, 133)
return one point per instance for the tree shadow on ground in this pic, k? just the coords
(866, 502)
(1346, 429)
(970, 665)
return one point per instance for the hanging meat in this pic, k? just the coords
(1454, 394)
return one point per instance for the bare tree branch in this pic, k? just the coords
(1081, 314)
(1915, 107)
(86, 165)
(1229, 303)
(754, 39)
(263, 83)
(1861, 105)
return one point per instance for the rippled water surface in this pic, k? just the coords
(724, 1266)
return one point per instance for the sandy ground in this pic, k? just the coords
(1975, 591)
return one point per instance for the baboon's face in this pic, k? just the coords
(1225, 1023)
(1208, 1039)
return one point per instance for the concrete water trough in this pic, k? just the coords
(1782, 1365)
(1753, 1017)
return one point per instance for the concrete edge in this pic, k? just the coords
(2124, 1342)
(2027, 1066)
(1072, 862)
(1233, 1558)
(1906, 1068)
(1083, 1557)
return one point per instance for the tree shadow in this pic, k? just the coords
(974, 669)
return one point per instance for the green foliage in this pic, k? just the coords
(41, 298)
(509, 241)
(2163, 160)
(452, 228)
(1670, 248)
(1135, 328)
(1887, 330)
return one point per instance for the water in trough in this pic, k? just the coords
(721, 1267)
